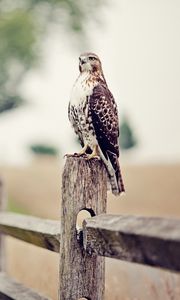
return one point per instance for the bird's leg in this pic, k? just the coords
(83, 150)
(95, 153)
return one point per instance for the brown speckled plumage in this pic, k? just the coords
(94, 116)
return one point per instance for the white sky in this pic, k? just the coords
(139, 45)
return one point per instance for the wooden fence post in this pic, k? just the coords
(2, 242)
(84, 186)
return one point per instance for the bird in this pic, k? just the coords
(93, 114)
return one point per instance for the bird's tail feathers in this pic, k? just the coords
(114, 173)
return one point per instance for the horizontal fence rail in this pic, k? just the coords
(40, 232)
(145, 240)
(10, 289)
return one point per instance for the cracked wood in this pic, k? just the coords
(146, 240)
(83, 187)
(40, 232)
(12, 290)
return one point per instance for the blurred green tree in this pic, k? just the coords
(44, 149)
(23, 24)
(127, 139)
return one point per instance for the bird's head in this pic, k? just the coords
(89, 62)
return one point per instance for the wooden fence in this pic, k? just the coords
(148, 241)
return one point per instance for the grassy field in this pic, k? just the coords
(152, 190)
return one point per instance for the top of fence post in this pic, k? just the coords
(84, 186)
(2, 208)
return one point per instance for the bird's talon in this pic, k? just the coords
(80, 154)
(67, 155)
(93, 156)
(75, 154)
(70, 155)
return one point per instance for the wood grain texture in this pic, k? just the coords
(149, 241)
(11, 290)
(84, 186)
(3, 200)
(40, 232)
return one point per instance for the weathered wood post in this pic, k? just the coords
(2, 242)
(84, 186)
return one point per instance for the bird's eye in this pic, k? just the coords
(91, 58)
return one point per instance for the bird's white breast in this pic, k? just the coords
(81, 89)
(79, 117)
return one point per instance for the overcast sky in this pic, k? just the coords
(139, 45)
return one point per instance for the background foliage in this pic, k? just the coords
(23, 25)
(127, 138)
(44, 149)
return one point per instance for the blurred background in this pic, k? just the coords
(139, 45)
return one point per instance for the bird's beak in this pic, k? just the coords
(82, 61)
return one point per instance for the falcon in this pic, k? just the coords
(93, 114)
